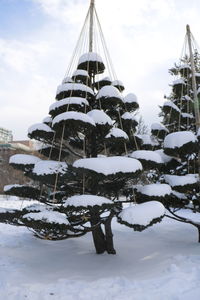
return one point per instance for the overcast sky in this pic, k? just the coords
(37, 38)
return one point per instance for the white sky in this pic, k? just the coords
(144, 38)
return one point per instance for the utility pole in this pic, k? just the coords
(91, 25)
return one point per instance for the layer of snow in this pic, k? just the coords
(184, 66)
(165, 158)
(178, 81)
(142, 214)
(40, 127)
(80, 72)
(179, 138)
(175, 180)
(8, 187)
(74, 87)
(67, 101)
(186, 97)
(104, 79)
(73, 115)
(117, 133)
(158, 126)
(47, 119)
(109, 165)
(67, 80)
(171, 105)
(179, 195)
(109, 91)
(89, 56)
(147, 155)
(186, 115)
(37, 207)
(162, 262)
(148, 139)
(6, 210)
(117, 83)
(47, 216)
(130, 98)
(155, 189)
(86, 200)
(128, 116)
(45, 167)
(100, 117)
(23, 159)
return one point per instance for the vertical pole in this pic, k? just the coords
(194, 87)
(91, 26)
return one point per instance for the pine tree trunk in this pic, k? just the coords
(98, 235)
(198, 228)
(109, 236)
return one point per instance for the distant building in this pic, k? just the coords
(5, 135)
(26, 146)
(9, 175)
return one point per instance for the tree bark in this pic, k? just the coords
(198, 228)
(109, 236)
(98, 235)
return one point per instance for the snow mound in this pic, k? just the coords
(67, 79)
(47, 120)
(142, 214)
(178, 81)
(68, 101)
(130, 98)
(148, 140)
(117, 82)
(128, 116)
(147, 155)
(23, 159)
(90, 56)
(109, 165)
(186, 115)
(171, 105)
(46, 167)
(175, 180)
(165, 158)
(37, 207)
(109, 91)
(155, 190)
(178, 139)
(117, 133)
(73, 115)
(158, 126)
(39, 127)
(74, 87)
(86, 201)
(47, 216)
(8, 187)
(79, 72)
(179, 195)
(100, 117)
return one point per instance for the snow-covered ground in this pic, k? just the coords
(161, 263)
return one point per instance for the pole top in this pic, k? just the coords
(188, 28)
(92, 2)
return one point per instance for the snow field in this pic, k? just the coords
(160, 263)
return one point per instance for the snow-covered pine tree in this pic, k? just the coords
(86, 139)
(178, 135)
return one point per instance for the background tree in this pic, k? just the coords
(179, 137)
